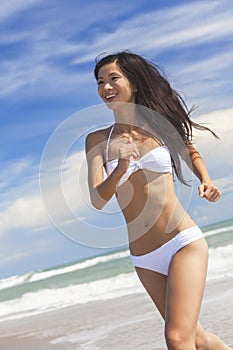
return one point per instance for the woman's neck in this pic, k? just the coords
(126, 118)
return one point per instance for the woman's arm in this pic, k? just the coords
(207, 189)
(100, 190)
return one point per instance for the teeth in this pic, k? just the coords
(110, 96)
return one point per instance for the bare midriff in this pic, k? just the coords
(152, 210)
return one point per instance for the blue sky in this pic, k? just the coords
(47, 58)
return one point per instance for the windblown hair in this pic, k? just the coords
(162, 101)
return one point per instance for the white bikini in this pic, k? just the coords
(157, 160)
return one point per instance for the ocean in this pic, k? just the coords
(98, 278)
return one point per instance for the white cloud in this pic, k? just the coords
(206, 81)
(173, 27)
(225, 184)
(31, 71)
(210, 67)
(9, 38)
(21, 205)
(153, 32)
(11, 8)
(217, 155)
(14, 258)
(13, 169)
(26, 130)
(17, 176)
(24, 208)
(25, 212)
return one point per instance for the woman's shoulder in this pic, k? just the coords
(97, 137)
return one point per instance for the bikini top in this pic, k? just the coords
(157, 160)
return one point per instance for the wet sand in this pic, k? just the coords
(124, 323)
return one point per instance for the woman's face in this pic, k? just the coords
(113, 86)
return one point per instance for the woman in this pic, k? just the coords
(141, 154)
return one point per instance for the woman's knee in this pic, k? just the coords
(201, 341)
(178, 339)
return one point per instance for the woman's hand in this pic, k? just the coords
(209, 191)
(126, 152)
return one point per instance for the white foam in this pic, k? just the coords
(79, 266)
(220, 266)
(220, 262)
(38, 276)
(218, 230)
(49, 299)
(14, 281)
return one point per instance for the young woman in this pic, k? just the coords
(141, 153)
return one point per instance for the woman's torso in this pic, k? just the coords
(146, 195)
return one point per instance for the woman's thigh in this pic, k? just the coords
(185, 286)
(155, 284)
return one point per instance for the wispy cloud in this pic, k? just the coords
(11, 8)
(171, 28)
(206, 81)
(24, 201)
(12, 259)
(225, 183)
(33, 73)
(52, 56)
(217, 152)
(20, 205)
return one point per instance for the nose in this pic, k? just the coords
(107, 86)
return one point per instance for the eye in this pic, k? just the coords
(100, 82)
(115, 77)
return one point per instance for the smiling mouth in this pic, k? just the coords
(110, 97)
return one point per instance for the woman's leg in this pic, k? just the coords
(156, 286)
(185, 287)
(208, 341)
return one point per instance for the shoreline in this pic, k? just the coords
(127, 322)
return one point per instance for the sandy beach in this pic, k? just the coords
(130, 322)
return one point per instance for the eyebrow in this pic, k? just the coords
(113, 73)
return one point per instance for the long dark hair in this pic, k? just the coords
(162, 101)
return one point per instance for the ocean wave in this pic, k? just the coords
(220, 266)
(91, 262)
(42, 275)
(220, 262)
(49, 299)
(218, 230)
(14, 280)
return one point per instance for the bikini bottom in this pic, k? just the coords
(159, 259)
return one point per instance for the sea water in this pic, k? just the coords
(98, 278)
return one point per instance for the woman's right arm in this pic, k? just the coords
(101, 190)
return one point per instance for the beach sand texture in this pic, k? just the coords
(129, 322)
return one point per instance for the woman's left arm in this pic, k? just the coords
(207, 189)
